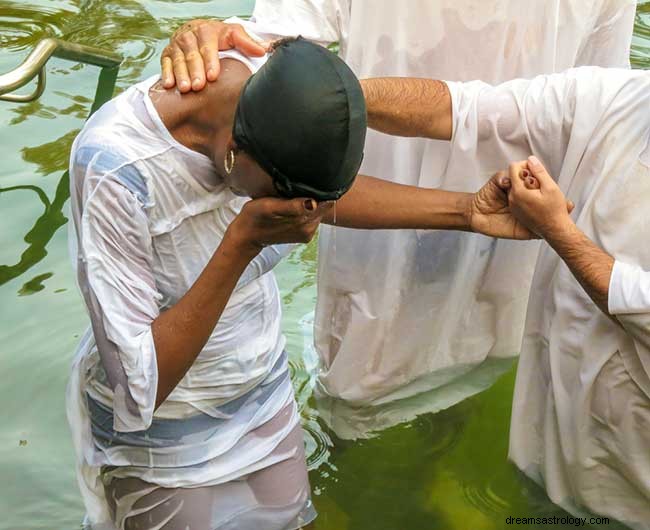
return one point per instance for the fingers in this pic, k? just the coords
(180, 73)
(540, 173)
(243, 42)
(516, 176)
(522, 177)
(193, 61)
(502, 180)
(208, 38)
(570, 206)
(530, 182)
(167, 70)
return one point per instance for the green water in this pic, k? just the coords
(443, 471)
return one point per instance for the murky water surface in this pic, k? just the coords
(443, 471)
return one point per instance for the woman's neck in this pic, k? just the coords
(202, 121)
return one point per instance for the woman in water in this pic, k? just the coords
(180, 401)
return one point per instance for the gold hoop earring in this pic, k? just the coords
(229, 161)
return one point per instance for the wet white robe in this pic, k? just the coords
(148, 214)
(581, 413)
(402, 312)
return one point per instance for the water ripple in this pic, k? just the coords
(317, 443)
(486, 499)
(21, 26)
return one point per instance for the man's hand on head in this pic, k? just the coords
(192, 56)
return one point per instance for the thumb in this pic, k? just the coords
(539, 171)
(243, 42)
(570, 205)
(502, 180)
(288, 208)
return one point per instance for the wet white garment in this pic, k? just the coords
(400, 312)
(581, 413)
(148, 214)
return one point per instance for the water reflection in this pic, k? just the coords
(640, 56)
(39, 235)
(21, 25)
(125, 27)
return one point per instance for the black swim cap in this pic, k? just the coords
(302, 117)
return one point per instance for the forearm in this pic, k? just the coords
(590, 265)
(403, 106)
(181, 332)
(373, 203)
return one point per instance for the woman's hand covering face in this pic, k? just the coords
(271, 221)
(192, 55)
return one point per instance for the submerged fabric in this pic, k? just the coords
(404, 311)
(279, 492)
(148, 215)
(581, 413)
(302, 116)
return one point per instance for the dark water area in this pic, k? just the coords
(446, 470)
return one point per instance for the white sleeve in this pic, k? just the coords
(554, 117)
(629, 289)
(608, 43)
(322, 21)
(122, 298)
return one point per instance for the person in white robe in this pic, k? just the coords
(407, 312)
(581, 412)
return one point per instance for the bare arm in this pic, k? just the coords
(375, 203)
(590, 265)
(403, 106)
(181, 332)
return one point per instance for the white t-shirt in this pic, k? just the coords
(148, 214)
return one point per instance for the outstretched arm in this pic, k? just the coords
(403, 106)
(375, 203)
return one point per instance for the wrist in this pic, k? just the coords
(466, 208)
(236, 244)
(558, 233)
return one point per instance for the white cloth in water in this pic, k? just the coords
(405, 311)
(148, 214)
(581, 413)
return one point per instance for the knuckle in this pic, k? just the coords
(186, 38)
